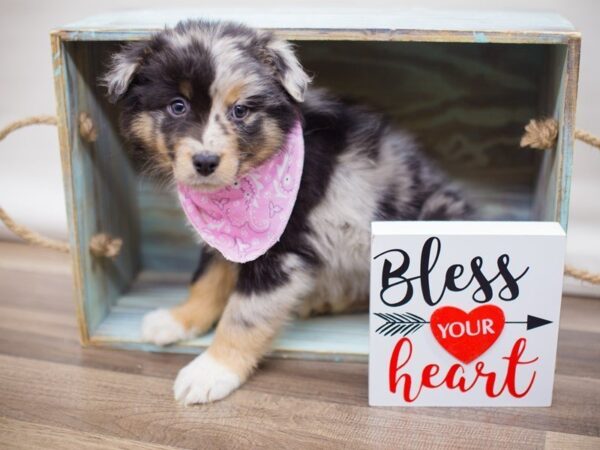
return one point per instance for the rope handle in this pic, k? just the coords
(101, 244)
(542, 134)
(539, 134)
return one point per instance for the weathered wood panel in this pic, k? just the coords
(347, 24)
(343, 337)
(466, 102)
(167, 242)
(98, 179)
(553, 183)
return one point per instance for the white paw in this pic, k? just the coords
(204, 380)
(160, 327)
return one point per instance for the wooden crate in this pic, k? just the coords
(464, 83)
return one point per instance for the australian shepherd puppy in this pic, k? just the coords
(207, 102)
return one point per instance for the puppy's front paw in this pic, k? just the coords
(204, 380)
(160, 327)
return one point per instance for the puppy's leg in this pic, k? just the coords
(263, 301)
(203, 307)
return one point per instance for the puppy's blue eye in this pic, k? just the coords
(178, 107)
(240, 111)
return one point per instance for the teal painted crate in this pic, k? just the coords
(465, 83)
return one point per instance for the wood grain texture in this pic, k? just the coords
(16, 434)
(102, 177)
(330, 338)
(55, 394)
(397, 24)
(559, 441)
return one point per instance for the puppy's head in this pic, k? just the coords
(207, 101)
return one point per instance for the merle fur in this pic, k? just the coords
(330, 126)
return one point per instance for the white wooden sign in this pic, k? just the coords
(464, 313)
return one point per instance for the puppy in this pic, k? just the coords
(232, 94)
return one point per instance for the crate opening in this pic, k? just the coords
(465, 103)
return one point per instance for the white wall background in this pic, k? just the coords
(30, 174)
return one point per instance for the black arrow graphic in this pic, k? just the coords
(534, 322)
(403, 324)
(408, 323)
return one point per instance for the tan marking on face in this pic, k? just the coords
(183, 168)
(233, 87)
(185, 87)
(208, 296)
(270, 144)
(143, 127)
(161, 145)
(231, 82)
(232, 95)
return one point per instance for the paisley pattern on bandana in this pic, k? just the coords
(246, 219)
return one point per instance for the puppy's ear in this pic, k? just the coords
(122, 69)
(279, 54)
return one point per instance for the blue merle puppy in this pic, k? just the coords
(241, 90)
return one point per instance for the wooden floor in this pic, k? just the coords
(54, 394)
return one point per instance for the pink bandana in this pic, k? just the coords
(245, 220)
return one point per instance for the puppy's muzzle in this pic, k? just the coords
(205, 163)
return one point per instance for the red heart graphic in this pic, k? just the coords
(467, 335)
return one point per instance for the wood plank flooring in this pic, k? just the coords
(55, 394)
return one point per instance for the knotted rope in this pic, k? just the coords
(539, 134)
(542, 134)
(101, 245)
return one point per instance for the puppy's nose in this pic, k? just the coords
(205, 163)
